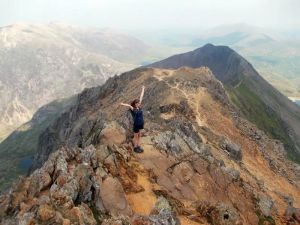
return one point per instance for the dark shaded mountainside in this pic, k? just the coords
(202, 164)
(257, 100)
(18, 149)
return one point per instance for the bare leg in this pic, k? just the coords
(139, 139)
(135, 139)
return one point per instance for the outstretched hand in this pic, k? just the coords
(142, 94)
(124, 104)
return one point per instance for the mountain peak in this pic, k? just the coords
(208, 45)
(249, 91)
(220, 50)
(217, 58)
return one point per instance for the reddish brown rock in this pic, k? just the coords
(113, 133)
(120, 220)
(113, 197)
(184, 172)
(66, 222)
(219, 214)
(46, 212)
(140, 220)
(4, 204)
(82, 214)
(20, 193)
(25, 207)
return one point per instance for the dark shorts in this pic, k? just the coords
(137, 127)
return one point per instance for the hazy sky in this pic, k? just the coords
(154, 13)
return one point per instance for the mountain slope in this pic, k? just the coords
(41, 63)
(18, 149)
(202, 162)
(275, 55)
(258, 101)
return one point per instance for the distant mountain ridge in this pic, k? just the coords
(43, 62)
(275, 54)
(259, 102)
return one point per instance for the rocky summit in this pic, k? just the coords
(202, 162)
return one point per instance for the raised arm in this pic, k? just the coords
(124, 104)
(142, 94)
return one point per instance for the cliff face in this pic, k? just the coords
(202, 163)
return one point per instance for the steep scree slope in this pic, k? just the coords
(202, 162)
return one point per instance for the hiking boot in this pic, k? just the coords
(138, 150)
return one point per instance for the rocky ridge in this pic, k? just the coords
(257, 100)
(202, 163)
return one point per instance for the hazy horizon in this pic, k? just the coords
(154, 14)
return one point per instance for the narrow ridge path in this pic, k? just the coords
(191, 98)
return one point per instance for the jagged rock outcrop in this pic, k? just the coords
(232, 149)
(202, 163)
(78, 186)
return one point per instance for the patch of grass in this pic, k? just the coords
(262, 219)
(265, 118)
